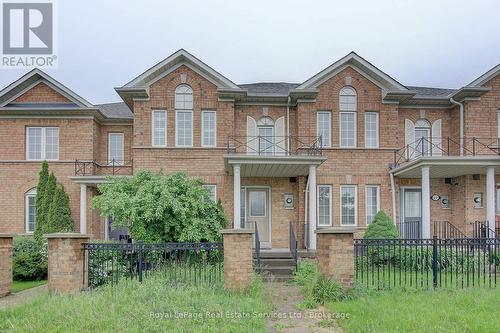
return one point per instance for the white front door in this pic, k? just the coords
(258, 212)
(411, 226)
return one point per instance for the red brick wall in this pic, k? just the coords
(41, 93)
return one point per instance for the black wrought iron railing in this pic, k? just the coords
(257, 245)
(481, 229)
(293, 244)
(187, 263)
(427, 263)
(445, 230)
(437, 146)
(410, 229)
(108, 167)
(275, 145)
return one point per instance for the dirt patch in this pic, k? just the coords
(288, 318)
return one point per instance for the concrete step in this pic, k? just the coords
(275, 261)
(276, 270)
(276, 278)
(273, 254)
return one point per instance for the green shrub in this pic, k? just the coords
(327, 290)
(59, 215)
(29, 259)
(381, 227)
(306, 273)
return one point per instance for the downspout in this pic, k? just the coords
(393, 195)
(306, 214)
(461, 105)
(288, 124)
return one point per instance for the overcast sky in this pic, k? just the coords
(104, 44)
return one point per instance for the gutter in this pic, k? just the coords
(461, 105)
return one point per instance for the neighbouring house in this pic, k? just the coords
(332, 150)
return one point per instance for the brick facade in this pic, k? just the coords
(238, 258)
(86, 138)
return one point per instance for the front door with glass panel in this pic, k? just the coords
(258, 213)
(412, 212)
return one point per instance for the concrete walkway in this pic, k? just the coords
(287, 318)
(22, 296)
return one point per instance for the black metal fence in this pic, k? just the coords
(187, 263)
(427, 263)
(410, 229)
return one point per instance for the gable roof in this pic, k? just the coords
(269, 88)
(485, 77)
(358, 63)
(33, 78)
(174, 61)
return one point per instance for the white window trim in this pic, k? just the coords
(366, 201)
(203, 129)
(377, 129)
(329, 126)
(30, 193)
(355, 205)
(110, 134)
(355, 129)
(43, 144)
(214, 187)
(177, 131)
(331, 206)
(153, 129)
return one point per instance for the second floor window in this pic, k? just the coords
(42, 143)
(324, 126)
(348, 105)
(116, 148)
(159, 130)
(208, 132)
(184, 116)
(371, 130)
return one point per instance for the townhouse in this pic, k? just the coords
(332, 150)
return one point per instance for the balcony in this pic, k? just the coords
(274, 145)
(438, 147)
(103, 168)
(273, 156)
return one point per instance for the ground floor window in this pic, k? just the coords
(212, 191)
(324, 205)
(372, 200)
(30, 211)
(348, 203)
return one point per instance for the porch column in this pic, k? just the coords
(490, 197)
(83, 208)
(426, 203)
(236, 198)
(312, 207)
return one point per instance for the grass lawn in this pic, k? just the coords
(459, 310)
(154, 306)
(22, 285)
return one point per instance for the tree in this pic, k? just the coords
(59, 216)
(43, 176)
(381, 227)
(158, 208)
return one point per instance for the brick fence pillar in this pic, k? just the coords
(5, 264)
(335, 253)
(238, 258)
(66, 257)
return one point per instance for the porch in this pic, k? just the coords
(274, 182)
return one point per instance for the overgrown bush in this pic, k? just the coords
(381, 227)
(29, 259)
(158, 208)
(327, 290)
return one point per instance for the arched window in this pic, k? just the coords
(265, 132)
(422, 137)
(347, 106)
(184, 116)
(348, 99)
(30, 210)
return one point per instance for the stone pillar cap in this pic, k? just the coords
(66, 235)
(337, 230)
(7, 235)
(236, 231)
